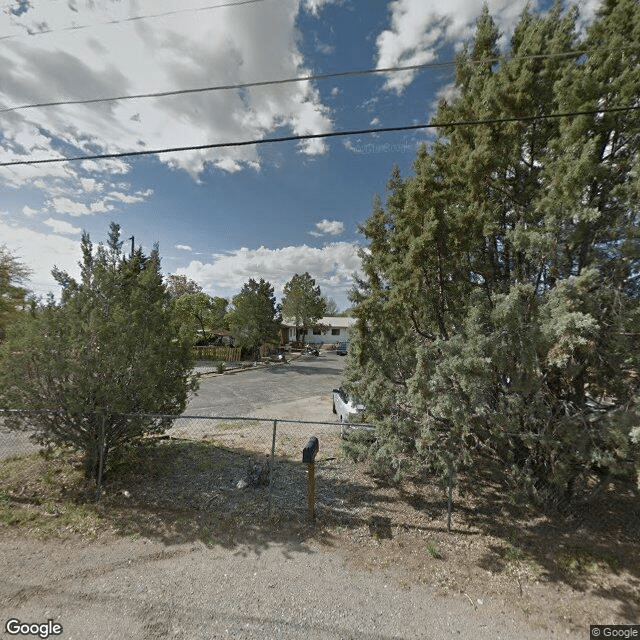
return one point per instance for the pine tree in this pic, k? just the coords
(302, 302)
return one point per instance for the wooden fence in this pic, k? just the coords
(227, 354)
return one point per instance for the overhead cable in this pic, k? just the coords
(130, 19)
(264, 83)
(313, 136)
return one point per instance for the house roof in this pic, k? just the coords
(333, 322)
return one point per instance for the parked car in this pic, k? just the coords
(341, 348)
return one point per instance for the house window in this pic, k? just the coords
(335, 332)
(317, 332)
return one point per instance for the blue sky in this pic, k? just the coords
(223, 215)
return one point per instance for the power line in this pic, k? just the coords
(263, 83)
(130, 19)
(313, 136)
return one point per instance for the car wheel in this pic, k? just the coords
(334, 408)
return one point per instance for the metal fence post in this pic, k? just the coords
(450, 499)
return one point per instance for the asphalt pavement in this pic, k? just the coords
(255, 390)
(300, 388)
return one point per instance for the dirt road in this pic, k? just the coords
(148, 590)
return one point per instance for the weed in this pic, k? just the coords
(513, 554)
(579, 560)
(433, 551)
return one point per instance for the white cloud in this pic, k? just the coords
(111, 166)
(448, 92)
(375, 122)
(183, 247)
(419, 28)
(69, 207)
(332, 266)
(65, 205)
(328, 227)
(315, 6)
(185, 50)
(74, 208)
(40, 252)
(126, 198)
(28, 211)
(90, 185)
(61, 226)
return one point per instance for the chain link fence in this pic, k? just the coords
(214, 464)
(241, 465)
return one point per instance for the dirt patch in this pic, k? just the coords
(561, 573)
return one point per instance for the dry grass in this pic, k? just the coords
(568, 571)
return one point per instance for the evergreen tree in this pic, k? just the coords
(13, 275)
(302, 302)
(254, 318)
(110, 347)
(499, 309)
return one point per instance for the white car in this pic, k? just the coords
(347, 407)
(351, 412)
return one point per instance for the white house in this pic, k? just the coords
(329, 330)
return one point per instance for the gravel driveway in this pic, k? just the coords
(147, 590)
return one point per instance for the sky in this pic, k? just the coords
(220, 216)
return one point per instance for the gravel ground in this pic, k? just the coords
(145, 589)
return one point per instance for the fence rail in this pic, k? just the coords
(229, 354)
(201, 460)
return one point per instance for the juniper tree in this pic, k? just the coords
(499, 311)
(110, 347)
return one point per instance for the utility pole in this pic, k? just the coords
(132, 245)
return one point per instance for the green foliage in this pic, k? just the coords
(13, 274)
(498, 314)
(110, 347)
(254, 318)
(198, 312)
(330, 306)
(433, 550)
(303, 302)
(178, 285)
